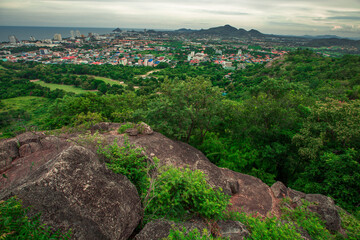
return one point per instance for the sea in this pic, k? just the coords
(39, 33)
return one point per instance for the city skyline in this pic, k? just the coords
(302, 17)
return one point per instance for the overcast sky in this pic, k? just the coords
(299, 17)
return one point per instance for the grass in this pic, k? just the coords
(16, 113)
(107, 80)
(66, 88)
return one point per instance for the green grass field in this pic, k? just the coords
(109, 80)
(27, 103)
(25, 111)
(66, 88)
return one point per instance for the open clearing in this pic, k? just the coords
(66, 88)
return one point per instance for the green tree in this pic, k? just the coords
(185, 108)
(328, 144)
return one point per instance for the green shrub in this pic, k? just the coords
(268, 228)
(181, 193)
(14, 224)
(129, 161)
(183, 234)
(88, 120)
(125, 127)
(351, 226)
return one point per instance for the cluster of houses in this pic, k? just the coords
(134, 51)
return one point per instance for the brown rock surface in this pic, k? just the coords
(160, 229)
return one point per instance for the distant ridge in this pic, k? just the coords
(226, 30)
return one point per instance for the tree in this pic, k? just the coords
(328, 146)
(185, 108)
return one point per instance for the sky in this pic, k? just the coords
(288, 17)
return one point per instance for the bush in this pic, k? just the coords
(125, 127)
(269, 228)
(181, 193)
(88, 120)
(14, 224)
(351, 226)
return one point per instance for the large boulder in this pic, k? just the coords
(320, 204)
(75, 191)
(9, 150)
(327, 210)
(159, 229)
(248, 193)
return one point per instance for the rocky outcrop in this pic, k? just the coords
(248, 193)
(320, 204)
(160, 229)
(75, 191)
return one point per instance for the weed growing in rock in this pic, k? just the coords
(125, 127)
(14, 224)
(129, 161)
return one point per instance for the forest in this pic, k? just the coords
(296, 120)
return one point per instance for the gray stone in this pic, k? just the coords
(327, 210)
(234, 230)
(279, 190)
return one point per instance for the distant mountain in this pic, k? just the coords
(223, 31)
(184, 30)
(117, 30)
(327, 42)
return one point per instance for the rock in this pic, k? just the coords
(29, 137)
(8, 152)
(234, 230)
(248, 193)
(105, 126)
(327, 210)
(29, 148)
(145, 129)
(159, 229)
(75, 191)
(132, 131)
(296, 196)
(279, 190)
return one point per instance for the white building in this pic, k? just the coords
(57, 37)
(13, 39)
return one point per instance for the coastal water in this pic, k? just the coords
(24, 33)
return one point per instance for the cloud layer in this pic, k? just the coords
(269, 16)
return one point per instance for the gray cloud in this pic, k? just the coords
(344, 18)
(269, 16)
